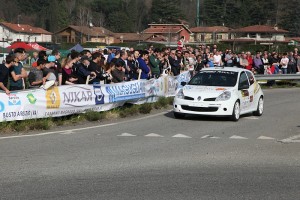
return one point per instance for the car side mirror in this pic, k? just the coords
(183, 83)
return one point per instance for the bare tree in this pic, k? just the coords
(98, 19)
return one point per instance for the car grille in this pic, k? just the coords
(210, 99)
(199, 109)
(188, 98)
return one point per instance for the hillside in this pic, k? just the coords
(134, 15)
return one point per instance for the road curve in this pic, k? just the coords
(159, 157)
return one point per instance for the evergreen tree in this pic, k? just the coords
(291, 19)
(119, 22)
(165, 11)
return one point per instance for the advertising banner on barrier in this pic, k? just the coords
(70, 99)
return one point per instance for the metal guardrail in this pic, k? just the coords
(278, 77)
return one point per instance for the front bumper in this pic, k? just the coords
(212, 108)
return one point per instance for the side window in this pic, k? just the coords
(251, 77)
(243, 80)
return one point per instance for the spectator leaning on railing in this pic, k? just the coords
(18, 73)
(89, 67)
(5, 71)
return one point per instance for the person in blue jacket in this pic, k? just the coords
(142, 64)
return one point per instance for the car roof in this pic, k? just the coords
(231, 69)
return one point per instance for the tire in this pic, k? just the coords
(178, 115)
(260, 107)
(236, 112)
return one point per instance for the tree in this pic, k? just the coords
(290, 19)
(119, 22)
(165, 11)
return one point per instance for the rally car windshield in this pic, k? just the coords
(215, 78)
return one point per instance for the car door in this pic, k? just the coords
(243, 90)
(252, 104)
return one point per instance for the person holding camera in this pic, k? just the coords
(95, 67)
(83, 71)
(118, 73)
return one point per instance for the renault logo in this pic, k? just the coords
(199, 98)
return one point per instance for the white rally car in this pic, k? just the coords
(220, 92)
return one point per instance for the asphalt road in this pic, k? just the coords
(159, 157)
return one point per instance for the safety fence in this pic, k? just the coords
(278, 77)
(71, 99)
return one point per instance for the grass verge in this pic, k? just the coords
(92, 116)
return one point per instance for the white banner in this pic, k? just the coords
(71, 99)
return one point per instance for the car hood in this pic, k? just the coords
(204, 91)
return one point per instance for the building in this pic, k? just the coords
(23, 32)
(294, 41)
(83, 34)
(168, 33)
(210, 35)
(131, 37)
(257, 34)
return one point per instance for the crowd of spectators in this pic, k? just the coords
(115, 66)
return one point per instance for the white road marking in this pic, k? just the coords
(85, 128)
(291, 139)
(153, 135)
(238, 137)
(180, 136)
(66, 132)
(265, 138)
(210, 137)
(126, 135)
(214, 137)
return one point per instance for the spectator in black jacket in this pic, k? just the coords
(95, 67)
(83, 71)
(4, 72)
(175, 63)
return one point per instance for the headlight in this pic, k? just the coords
(180, 94)
(224, 96)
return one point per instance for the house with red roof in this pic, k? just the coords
(258, 34)
(210, 34)
(23, 32)
(83, 34)
(169, 33)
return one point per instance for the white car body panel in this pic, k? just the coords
(197, 99)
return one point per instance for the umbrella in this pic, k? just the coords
(37, 47)
(77, 48)
(20, 45)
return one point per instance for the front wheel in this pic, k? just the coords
(260, 107)
(178, 115)
(236, 112)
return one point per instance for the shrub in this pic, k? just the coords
(170, 100)
(145, 108)
(157, 105)
(113, 114)
(21, 126)
(94, 116)
(44, 124)
(163, 101)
